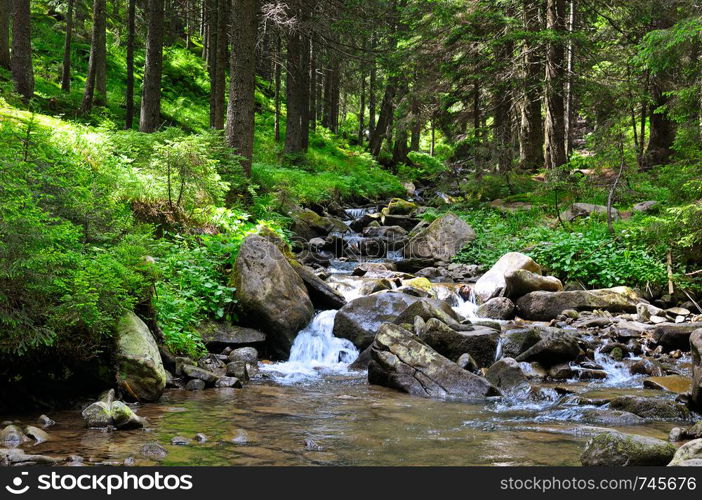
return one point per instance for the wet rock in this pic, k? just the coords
(519, 282)
(672, 383)
(311, 445)
(219, 336)
(561, 371)
(517, 341)
(650, 408)
(213, 364)
(36, 434)
(672, 337)
(240, 437)
(577, 210)
(493, 283)
(358, 224)
(404, 221)
(45, 421)
(238, 370)
(195, 372)
(427, 309)
(693, 432)
(140, 372)
(321, 294)
(12, 437)
(696, 352)
(480, 342)
(16, 456)
(554, 347)
(246, 354)
(401, 361)
(195, 385)
(124, 417)
(647, 367)
(98, 415)
(688, 455)
(497, 308)
(545, 306)
(180, 441)
(467, 362)
(360, 319)
(393, 237)
(507, 375)
(200, 438)
(441, 240)
(228, 382)
(271, 293)
(153, 451)
(361, 362)
(398, 206)
(307, 224)
(619, 449)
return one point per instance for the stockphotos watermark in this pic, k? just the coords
(106, 483)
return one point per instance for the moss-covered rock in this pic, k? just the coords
(140, 371)
(440, 240)
(689, 454)
(619, 449)
(398, 206)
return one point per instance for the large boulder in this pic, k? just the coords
(545, 306)
(671, 336)
(140, 372)
(480, 342)
(493, 283)
(555, 347)
(507, 375)
(518, 340)
(398, 206)
(497, 308)
(585, 210)
(440, 240)
(307, 224)
(688, 455)
(520, 282)
(429, 308)
(399, 360)
(360, 319)
(321, 294)
(696, 351)
(271, 294)
(651, 408)
(618, 449)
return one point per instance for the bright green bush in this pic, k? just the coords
(423, 167)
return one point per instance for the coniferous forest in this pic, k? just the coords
(351, 232)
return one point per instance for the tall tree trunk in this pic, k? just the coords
(212, 34)
(387, 108)
(5, 8)
(661, 133)
(278, 56)
(570, 67)
(66, 72)
(220, 63)
(242, 81)
(101, 60)
(312, 112)
(362, 109)
(97, 40)
(531, 131)
(151, 89)
(21, 57)
(554, 123)
(502, 115)
(332, 92)
(131, 36)
(297, 86)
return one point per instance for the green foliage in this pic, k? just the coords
(423, 167)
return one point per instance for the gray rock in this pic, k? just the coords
(195, 385)
(140, 372)
(245, 354)
(98, 415)
(38, 435)
(519, 282)
(228, 382)
(238, 370)
(646, 206)
(12, 436)
(321, 294)
(515, 342)
(507, 375)
(219, 336)
(651, 408)
(45, 421)
(16, 456)
(195, 372)
(480, 342)
(672, 337)
(360, 319)
(271, 293)
(426, 309)
(493, 283)
(124, 417)
(545, 306)
(467, 362)
(554, 347)
(618, 449)
(153, 451)
(689, 454)
(441, 240)
(497, 308)
(585, 210)
(401, 361)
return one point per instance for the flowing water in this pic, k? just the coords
(312, 410)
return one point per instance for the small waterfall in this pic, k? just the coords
(355, 213)
(467, 309)
(316, 351)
